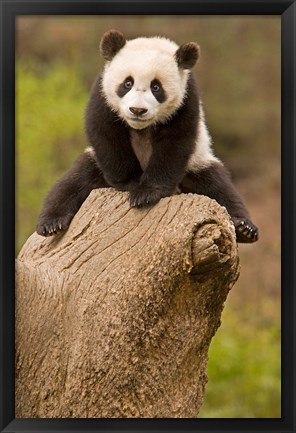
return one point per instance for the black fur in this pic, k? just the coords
(215, 182)
(115, 163)
(123, 89)
(111, 43)
(159, 94)
(110, 139)
(187, 55)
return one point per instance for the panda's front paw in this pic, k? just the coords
(51, 226)
(146, 196)
(246, 231)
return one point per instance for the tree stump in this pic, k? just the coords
(114, 318)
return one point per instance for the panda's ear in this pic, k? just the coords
(111, 43)
(187, 55)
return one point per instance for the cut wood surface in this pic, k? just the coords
(114, 318)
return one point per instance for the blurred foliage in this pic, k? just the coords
(244, 367)
(49, 127)
(239, 79)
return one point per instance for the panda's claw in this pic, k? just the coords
(144, 196)
(246, 231)
(51, 226)
(132, 203)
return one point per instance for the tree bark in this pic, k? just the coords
(114, 318)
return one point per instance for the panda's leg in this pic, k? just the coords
(68, 193)
(214, 181)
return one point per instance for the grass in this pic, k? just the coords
(244, 368)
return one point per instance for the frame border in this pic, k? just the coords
(9, 9)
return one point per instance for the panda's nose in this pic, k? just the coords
(138, 111)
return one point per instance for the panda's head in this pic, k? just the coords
(145, 79)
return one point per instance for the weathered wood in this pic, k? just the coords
(115, 317)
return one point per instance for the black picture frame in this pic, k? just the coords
(9, 9)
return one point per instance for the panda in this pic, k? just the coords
(147, 135)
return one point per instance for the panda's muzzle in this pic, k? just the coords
(138, 111)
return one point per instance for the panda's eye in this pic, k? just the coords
(128, 84)
(125, 86)
(155, 87)
(158, 90)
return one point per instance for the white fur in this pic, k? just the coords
(203, 155)
(145, 59)
(141, 98)
(90, 151)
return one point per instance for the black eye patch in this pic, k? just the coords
(125, 87)
(158, 90)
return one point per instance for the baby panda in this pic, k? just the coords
(147, 135)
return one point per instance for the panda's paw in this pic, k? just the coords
(52, 226)
(246, 231)
(146, 196)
